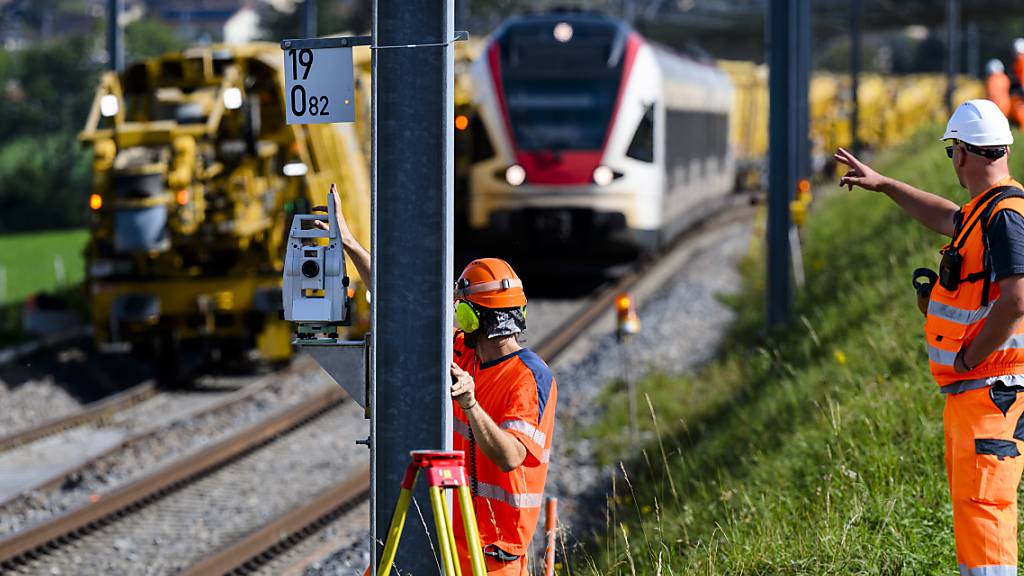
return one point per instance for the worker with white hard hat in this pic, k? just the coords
(973, 329)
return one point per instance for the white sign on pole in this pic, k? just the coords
(319, 85)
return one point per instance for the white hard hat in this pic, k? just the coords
(979, 122)
(1018, 45)
(995, 66)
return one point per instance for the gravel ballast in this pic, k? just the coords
(214, 511)
(183, 424)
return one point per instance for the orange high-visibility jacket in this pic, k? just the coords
(518, 392)
(1018, 68)
(997, 89)
(956, 317)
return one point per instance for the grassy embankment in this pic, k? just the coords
(28, 265)
(29, 262)
(815, 450)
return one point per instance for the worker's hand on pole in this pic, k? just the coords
(859, 174)
(346, 234)
(463, 387)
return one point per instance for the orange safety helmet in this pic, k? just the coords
(490, 283)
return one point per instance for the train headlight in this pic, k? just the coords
(563, 32)
(109, 106)
(295, 169)
(232, 98)
(603, 175)
(515, 175)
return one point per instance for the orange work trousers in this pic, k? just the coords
(984, 432)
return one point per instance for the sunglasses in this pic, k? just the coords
(949, 152)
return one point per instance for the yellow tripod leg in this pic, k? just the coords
(451, 540)
(476, 553)
(442, 523)
(387, 558)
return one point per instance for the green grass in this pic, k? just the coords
(27, 261)
(815, 449)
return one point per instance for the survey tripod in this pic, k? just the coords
(443, 470)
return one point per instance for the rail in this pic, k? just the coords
(127, 499)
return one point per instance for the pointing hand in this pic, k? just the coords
(859, 174)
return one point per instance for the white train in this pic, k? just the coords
(586, 133)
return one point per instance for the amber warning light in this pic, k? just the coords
(95, 201)
(627, 320)
(461, 122)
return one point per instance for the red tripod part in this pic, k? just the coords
(443, 469)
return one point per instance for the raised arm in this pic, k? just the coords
(359, 256)
(935, 212)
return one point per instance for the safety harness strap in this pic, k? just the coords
(1005, 192)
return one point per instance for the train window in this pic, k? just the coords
(642, 146)
(480, 143)
(560, 95)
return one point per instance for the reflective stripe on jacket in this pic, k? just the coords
(955, 317)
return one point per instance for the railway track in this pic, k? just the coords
(40, 480)
(94, 413)
(161, 514)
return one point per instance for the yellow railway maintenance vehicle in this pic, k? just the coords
(195, 178)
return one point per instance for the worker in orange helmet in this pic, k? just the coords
(997, 85)
(504, 406)
(973, 329)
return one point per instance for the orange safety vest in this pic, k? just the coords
(997, 89)
(518, 392)
(1018, 67)
(956, 317)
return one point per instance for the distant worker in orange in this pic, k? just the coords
(1018, 60)
(504, 406)
(997, 85)
(973, 331)
(1016, 114)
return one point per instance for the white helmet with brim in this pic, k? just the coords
(979, 122)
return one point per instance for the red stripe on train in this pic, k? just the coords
(566, 167)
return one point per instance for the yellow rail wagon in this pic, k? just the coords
(195, 178)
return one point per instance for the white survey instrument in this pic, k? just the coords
(315, 289)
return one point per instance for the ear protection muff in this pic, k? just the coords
(466, 317)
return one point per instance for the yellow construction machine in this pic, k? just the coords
(195, 178)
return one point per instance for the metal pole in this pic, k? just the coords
(973, 50)
(115, 35)
(856, 12)
(953, 38)
(783, 86)
(803, 120)
(309, 19)
(412, 252)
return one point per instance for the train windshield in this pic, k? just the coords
(561, 80)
